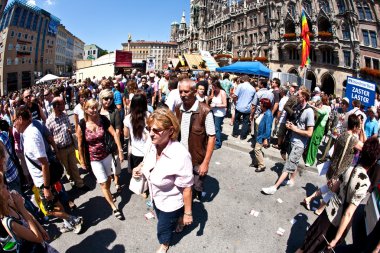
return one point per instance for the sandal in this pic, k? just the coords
(162, 249)
(118, 214)
(306, 204)
(262, 169)
(118, 188)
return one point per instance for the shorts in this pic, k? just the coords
(48, 204)
(281, 131)
(294, 158)
(102, 169)
(116, 165)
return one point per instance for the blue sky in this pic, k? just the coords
(108, 23)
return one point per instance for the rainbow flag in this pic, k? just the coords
(305, 60)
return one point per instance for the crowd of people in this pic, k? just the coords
(167, 126)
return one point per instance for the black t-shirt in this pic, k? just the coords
(68, 90)
(35, 111)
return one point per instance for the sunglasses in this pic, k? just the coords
(155, 130)
(107, 98)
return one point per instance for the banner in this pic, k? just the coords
(123, 59)
(358, 89)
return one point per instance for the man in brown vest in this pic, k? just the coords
(197, 132)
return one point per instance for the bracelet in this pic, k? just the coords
(188, 214)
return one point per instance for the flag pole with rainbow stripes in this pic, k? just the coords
(305, 59)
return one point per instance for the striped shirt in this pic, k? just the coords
(11, 169)
(185, 123)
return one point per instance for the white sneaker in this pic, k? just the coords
(290, 183)
(77, 225)
(269, 190)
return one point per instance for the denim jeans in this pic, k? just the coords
(245, 124)
(218, 121)
(167, 222)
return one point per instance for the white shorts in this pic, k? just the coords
(116, 169)
(102, 169)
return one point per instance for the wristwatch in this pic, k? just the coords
(188, 214)
(46, 187)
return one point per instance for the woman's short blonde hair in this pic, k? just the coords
(165, 119)
(91, 103)
(105, 94)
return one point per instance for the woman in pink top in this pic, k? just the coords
(93, 154)
(169, 171)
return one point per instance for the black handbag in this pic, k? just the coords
(109, 141)
(55, 168)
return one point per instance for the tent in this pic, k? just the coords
(251, 68)
(48, 77)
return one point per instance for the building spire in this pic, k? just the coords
(183, 19)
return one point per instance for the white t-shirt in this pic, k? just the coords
(173, 99)
(34, 148)
(139, 146)
(281, 106)
(79, 111)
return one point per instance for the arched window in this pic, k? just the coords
(307, 6)
(324, 5)
(341, 6)
(292, 9)
(346, 31)
(364, 11)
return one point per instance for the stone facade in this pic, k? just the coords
(157, 51)
(344, 36)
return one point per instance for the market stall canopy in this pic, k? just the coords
(210, 61)
(48, 77)
(191, 62)
(250, 68)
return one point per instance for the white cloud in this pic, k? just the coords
(31, 2)
(49, 2)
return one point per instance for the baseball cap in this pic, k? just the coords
(316, 89)
(346, 99)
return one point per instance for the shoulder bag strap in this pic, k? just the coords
(33, 162)
(345, 149)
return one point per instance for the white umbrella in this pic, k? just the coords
(48, 77)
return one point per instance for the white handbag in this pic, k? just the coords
(138, 185)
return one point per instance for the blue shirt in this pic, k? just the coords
(11, 172)
(117, 98)
(265, 127)
(246, 96)
(371, 127)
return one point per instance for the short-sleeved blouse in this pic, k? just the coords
(356, 192)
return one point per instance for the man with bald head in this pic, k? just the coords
(197, 132)
(58, 124)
